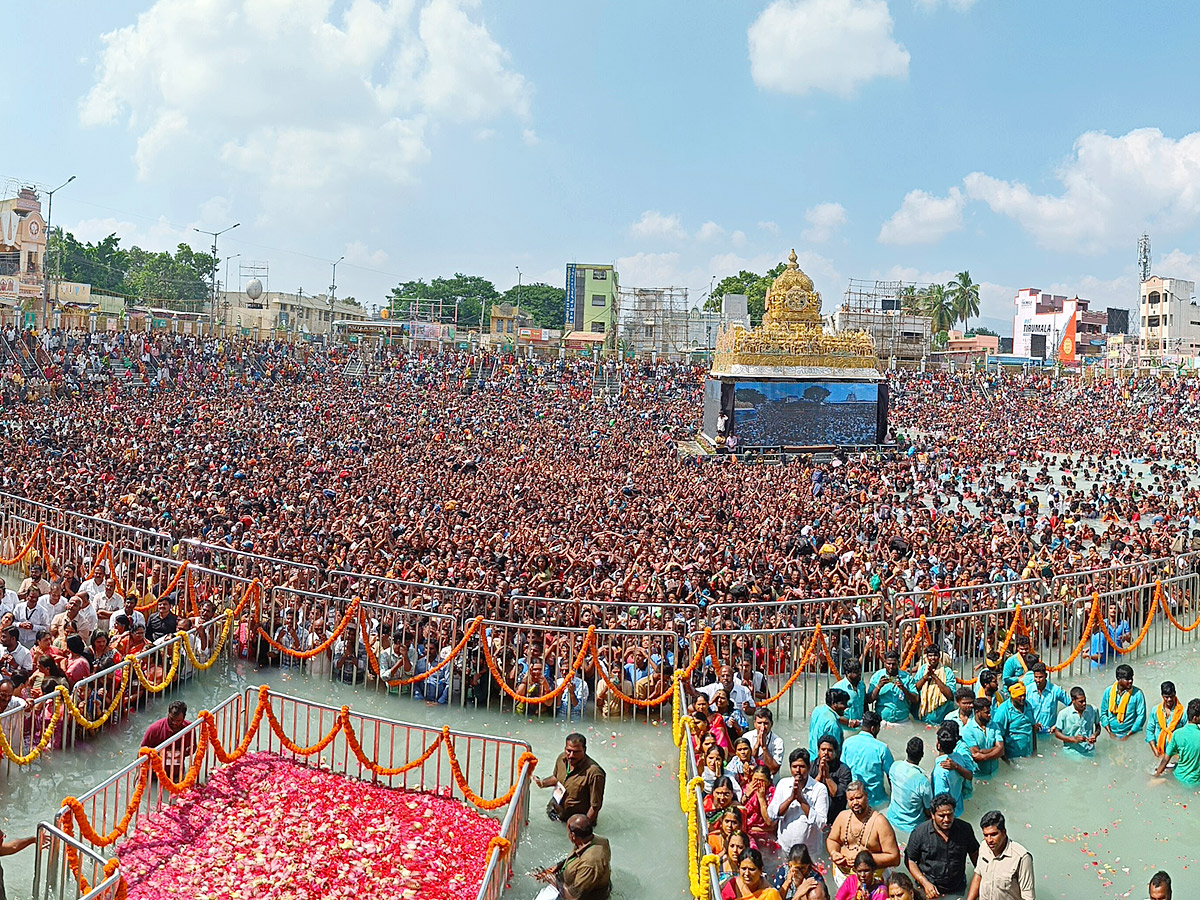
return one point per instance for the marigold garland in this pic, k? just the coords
(43, 742)
(161, 686)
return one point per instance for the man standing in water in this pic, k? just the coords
(1184, 747)
(1164, 719)
(587, 873)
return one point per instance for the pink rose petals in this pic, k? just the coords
(265, 827)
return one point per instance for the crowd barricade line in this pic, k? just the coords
(151, 576)
(106, 814)
(405, 594)
(797, 612)
(702, 873)
(936, 601)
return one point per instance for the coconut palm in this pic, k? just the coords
(935, 303)
(910, 302)
(963, 295)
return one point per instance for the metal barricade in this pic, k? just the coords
(467, 603)
(966, 639)
(769, 658)
(247, 564)
(799, 612)
(53, 879)
(149, 575)
(24, 727)
(968, 598)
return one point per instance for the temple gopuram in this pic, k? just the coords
(789, 383)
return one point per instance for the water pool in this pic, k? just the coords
(1098, 828)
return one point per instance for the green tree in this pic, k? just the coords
(936, 304)
(910, 300)
(980, 330)
(754, 286)
(964, 297)
(544, 303)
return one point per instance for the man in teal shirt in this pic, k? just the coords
(1018, 664)
(950, 774)
(1078, 725)
(982, 738)
(869, 758)
(1043, 697)
(892, 690)
(1123, 706)
(934, 684)
(852, 684)
(912, 794)
(826, 720)
(1014, 721)
(1184, 746)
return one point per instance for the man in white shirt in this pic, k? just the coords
(30, 617)
(82, 614)
(94, 586)
(800, 805)
(8, 600)
(14, 659)
(108, 603)
(737, 692)
(54, 601)
(36, 580)
(766, 746)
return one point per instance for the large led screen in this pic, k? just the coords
(781, 413)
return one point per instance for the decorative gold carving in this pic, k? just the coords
(791, 333)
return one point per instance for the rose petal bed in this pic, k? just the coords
(267, 827)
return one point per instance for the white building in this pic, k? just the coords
(897, 334)
(1170, 319)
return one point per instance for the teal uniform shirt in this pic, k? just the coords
(824, 722)
(858, 697)
(1044, 703)
(1135, 712)
(938, 713)
(1014, 670)
(1153, 730)
(892, 705)
(912, 795)
(949, 781)
(963, 754)
(1185, 746)
(1074, 724)
(868, 759)
(1017, 728)
(981, 737)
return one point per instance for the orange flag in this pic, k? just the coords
(1066, 350)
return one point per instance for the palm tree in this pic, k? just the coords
(935, 303)
(909, 301)
(963, 294)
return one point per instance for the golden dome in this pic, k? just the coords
(792, 297)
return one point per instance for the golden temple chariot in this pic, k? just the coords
(791, 334)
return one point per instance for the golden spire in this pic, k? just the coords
(791, 297)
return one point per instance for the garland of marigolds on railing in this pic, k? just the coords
(130, 666)
(151, 762)
(38, 534)
(699, 869)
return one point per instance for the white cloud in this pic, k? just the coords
(359, 254)
(768, 227)
(650, 270)
(924, 218)
(709, 231)
(530, 137)
(306, 94)
(1178, 264)
(160, 235)
(738, 239)
(797, 46)
(1113, 188)
(824, 220)
(654, 225)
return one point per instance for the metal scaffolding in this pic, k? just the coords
(877, 307)
(654, 322)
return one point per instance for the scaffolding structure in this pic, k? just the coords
(251, 269)
(654, 322)
(877, 307)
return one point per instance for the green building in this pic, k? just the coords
(591, 302)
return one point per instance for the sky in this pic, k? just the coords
(1029, 143)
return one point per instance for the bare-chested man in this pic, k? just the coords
(858, 828)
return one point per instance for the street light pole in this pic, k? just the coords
(333, 296)
(212, 317)
(517, 316)
(46, 260)
(226, 284)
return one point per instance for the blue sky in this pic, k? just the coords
(1029, 143)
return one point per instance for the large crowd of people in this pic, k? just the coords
(509, 488)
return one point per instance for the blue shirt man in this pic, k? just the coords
(1043, 697)
(950, 775)
(1078, 725)
(891, 690)
(854, 686)
(1014, 721)
(1123, 706)
(868, 758)
(934, 684)
(826, 720)
(912, 791)
(1101, 650)
(982, 739)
